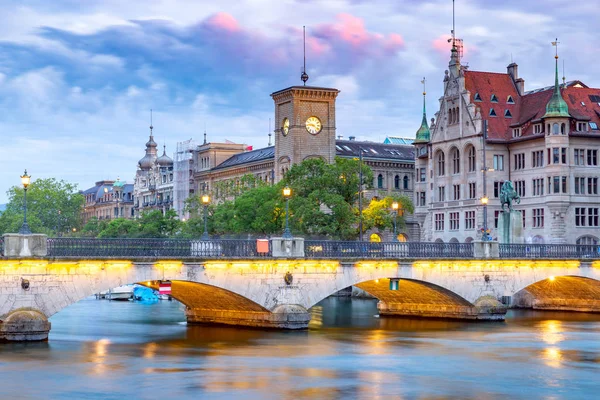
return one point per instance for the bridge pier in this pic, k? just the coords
(23, 325)
(441, 311)
(287, 316)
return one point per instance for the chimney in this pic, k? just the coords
(352, 137)
(513, 71)
(340, 137)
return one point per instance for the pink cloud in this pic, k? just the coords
(223, 21)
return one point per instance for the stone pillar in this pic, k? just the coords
(488, 249)
(24, 325)
(288, 248)
(558, 227)
(17, 245)
(285, 316)
(510, 227)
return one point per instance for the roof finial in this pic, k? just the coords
(556, 107)
(151, 127)
(453, 28)
(304, 76)
(269, 131)
(423, 134)
(204, 133)
(564, 78)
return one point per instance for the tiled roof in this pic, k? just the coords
(397, 140)
(529, 107)
(247, 157)
(371, 150)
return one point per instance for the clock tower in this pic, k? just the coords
(304, 126)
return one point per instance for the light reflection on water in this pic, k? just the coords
(107, 350)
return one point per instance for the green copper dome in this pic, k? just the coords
(423, 134)
(557, 106)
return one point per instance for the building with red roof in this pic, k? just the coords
(546, 141)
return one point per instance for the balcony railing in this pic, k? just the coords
(389, 250)
(550, 251)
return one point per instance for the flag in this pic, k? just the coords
(164, 287)
(249, 148)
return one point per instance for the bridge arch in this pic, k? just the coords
(572, 293)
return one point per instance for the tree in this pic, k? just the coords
(53, 207)
(379, 214)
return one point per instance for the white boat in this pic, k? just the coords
(123, 293)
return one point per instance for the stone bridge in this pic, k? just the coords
(276, 289)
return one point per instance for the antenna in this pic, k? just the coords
(453, 27)
(304, 76)
(269, 131)
(564, 78)
(555, 44)
(204, 133)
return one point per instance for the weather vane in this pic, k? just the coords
(304, 75)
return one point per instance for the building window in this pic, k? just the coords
(592, 185)
(592, 157)
(579, 185)
(555, 129)
(456, 192)
(471, 156)
(380, 181)
(582, 126)
(469, 219)
(579, 157)
(555, 155)
(538, 187)
(587, 240)
(498, 162)
(477, 97)
(580, 216)
(537, 158)
(537, 128)
(455, 161)
(497, 188)
(454, 221)
(559, 184)
(563, 155)
(492, 112)
(396, 182)
(439, 222)
(441, 160)
(520, 188)
(516, 131)
(405, 182)
(510, 100)
(441, 193)
(423, 174)
(507, 114)
(494, 99)
(520, 161)
(523, 218)
(538, 217)
(592, 217)
(421, 199)
(496, 215)
(472, 190)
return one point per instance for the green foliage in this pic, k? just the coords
(152, 224)
(53, 207)
(379, 214)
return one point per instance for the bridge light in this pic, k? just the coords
(205, 199)
(551, 278)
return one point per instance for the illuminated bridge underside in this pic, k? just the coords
(426, 300)
(569, 293)
(208, 304)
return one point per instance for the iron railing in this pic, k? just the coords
(1, 245)
(154, 248)
(550, 251)
(390, 250)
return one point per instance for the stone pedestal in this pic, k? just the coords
(488, 249)
(286, 316)
(17, 245)
(510, 227)
(288, 248)
(24, 325)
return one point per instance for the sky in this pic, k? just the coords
(78, 79)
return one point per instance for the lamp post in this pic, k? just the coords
(287, 192)
(485, 169)
(205, 202)
(360, 187)
(484, 202)
(395, 208)
(25, 179)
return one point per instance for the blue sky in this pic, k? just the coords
(77, 79)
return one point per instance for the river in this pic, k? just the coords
(115, 350)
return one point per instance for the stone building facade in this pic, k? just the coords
(107, 200)
(546, 141)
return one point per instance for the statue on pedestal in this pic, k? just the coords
(510, 222)
(508, 194)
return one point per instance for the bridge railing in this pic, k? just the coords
(392, 250)
(154, 248)
(550, 251)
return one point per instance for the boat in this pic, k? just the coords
(122, 293)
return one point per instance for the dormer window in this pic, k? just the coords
(582, 126)
(477, 97)
(510, 100)
(492, 112)
(593, 126)
(494, 99)
(516, 132)
(537, 128)
(507, 114)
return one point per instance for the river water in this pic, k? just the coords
(115, 350)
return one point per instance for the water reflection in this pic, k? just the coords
(98, 349)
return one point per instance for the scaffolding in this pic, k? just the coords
(184, 174)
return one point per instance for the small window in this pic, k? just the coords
(583, 104)
(477, 97)
(510, 100)
(494, 99)
(492, 112)
(507, 114)
(593, 126)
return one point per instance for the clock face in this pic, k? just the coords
(285, 127)
(313, 125)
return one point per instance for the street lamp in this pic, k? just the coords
(25, 180)
(287, 192)
(205, 201)
(395, 207)
(484, 202)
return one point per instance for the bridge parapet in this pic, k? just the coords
(20, 246)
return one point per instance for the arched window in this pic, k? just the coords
(589, 240)
(555, 129)
(405, 186)
(396, 182)
(374, 238)
(441, 160)
(468, 240)
(453, 240)
(380, 181)
(563, 128)
(455, 160)
(538, 239)
(402, 238)
(439, 241)
(471, 157)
